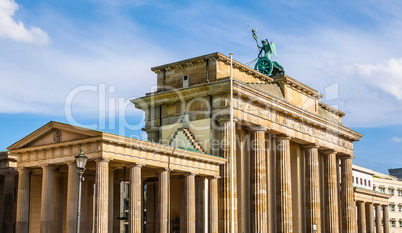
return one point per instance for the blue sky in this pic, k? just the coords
(50, 49)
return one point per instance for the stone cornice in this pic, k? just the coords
(159, 148)
(5, 155)
(372, 193)
(280, 105)
(50, 126)
(294, 111)
(56, 145)
(331, 109)
(213, 57)
(188, 93)
(296, 85)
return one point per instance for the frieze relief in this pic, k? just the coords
(291, 122)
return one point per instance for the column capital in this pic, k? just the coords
(153, 129)
(225, 119)
(48, 167)
(283, 137)
(345, 156)
(135, 165)
(328, 151)
(310, 146)
(376, 204)
(163, 169)
(23, 169)
(99, 160)
(9, 172)
(189, 174)
(258, 128)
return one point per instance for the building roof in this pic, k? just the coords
(268, 88)
(363, 169)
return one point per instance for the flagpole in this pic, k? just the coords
(231, 146)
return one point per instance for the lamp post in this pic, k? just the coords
(81, 161)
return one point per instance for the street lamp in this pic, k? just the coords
(314, 227)
(81, 161)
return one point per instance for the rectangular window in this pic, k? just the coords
(400, 208)
(369, 183)
(393, 223)
(365, 182)
(392, 208)
(391, 191)
(400, 193)
(357, 180)
(400, 223)
(361, 181)
(185, 81)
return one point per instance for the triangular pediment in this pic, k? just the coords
(184, 139)
(53, 133)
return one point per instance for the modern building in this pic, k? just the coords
(263, 159)
(396, 172)
(392, 186)
(8, 182)
(373, 209)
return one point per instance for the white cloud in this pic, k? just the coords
(387, 75)
(397, 139)
(119, 52)
(9, 28)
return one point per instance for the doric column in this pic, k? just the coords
(205, 204)
(135, 214)
(369, 218)
(331, 192)
(22, 220)
(347, 197)
(72, 197)
(226, 174)
(102, 196)
(201, 203)
(386, 218)
(313, 204)
(361, 217)
(164, 205)
(46, 213)
(153, 134)
(151, 202)
(284, 185)
(58, 203)
(8, 202)
(378, 220)
(111, 204)
(183, 203)
(190, 203)
(213, 205)
(258, 170)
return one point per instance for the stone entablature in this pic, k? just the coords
(261, 109)
(7, 160)
(256, 108)
(297, 86)
(370, 196)
(109, 146)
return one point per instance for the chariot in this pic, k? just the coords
(264, 64)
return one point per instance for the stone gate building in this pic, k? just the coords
(282, 177)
